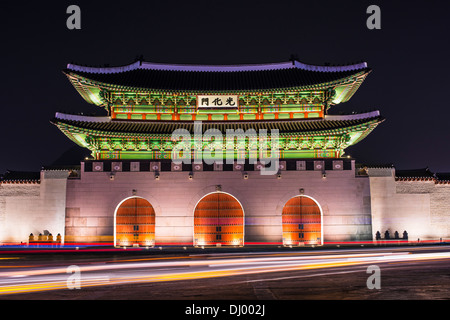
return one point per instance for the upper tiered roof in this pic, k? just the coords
(147, 76)
(217, 78)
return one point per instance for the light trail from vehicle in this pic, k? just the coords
(163, 269)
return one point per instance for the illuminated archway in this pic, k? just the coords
(302, 221)
(134, 223)
(218, 220)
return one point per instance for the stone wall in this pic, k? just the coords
(353, 207)
(93, 199)
(32, 207)
(420, 207)
(440, 210)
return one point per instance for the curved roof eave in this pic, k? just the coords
(77, 80)
(216, 68)
(136, 127)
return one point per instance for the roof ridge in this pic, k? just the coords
(144, 65)
(355, 116)
(73, 117)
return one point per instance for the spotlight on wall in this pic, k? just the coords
(279, 174)
(324, 175)
(245, 175)
(111, 176)
(302, 191)
(156, 175)
(218, 187)
(191, 176)
(134, 192)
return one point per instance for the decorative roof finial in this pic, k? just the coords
(294, 57)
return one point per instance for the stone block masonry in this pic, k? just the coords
(37, 207)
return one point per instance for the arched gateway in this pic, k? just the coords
(134, 223)
(218, 219)
(302, 221)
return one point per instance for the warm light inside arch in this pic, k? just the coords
(218, 219)
(134, 223)
(302, 221)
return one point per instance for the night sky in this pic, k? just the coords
(409, 57)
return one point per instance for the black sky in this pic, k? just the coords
(409, 57)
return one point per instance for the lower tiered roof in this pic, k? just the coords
(107, 125)
(111, 138)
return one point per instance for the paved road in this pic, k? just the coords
(404, 273)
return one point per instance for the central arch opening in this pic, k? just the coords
(135, 223)
(302, 222)
(218, 220)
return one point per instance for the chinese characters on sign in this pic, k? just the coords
(219, 101)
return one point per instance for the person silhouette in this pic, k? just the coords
(378, 235)
(405, 235)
